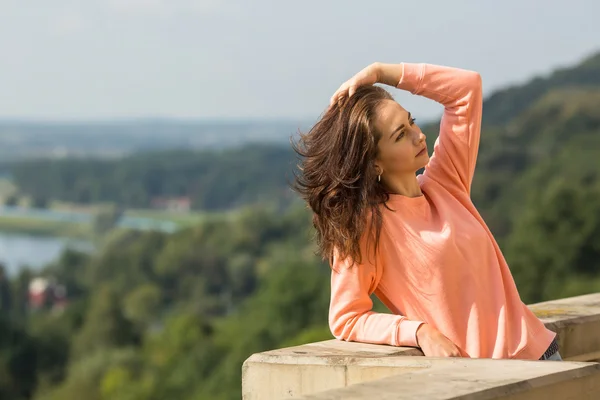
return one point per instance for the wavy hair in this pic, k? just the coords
(337, 176)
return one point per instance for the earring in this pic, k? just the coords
(379, 178)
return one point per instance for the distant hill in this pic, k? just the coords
(503, 105)
(22, 139)
(209, 180)
(544, 130)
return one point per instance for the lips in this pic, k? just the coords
(423, 151)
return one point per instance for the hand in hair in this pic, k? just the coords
(367, 76)
(388, 74)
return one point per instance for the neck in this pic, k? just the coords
(403, 185)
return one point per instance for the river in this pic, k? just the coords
(125, 221)
(17, 250)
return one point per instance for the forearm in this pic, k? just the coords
(351, 315)
(446, 85)
(389, 74)
(372, 327)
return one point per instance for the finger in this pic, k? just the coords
(337, 96)
(351, 90)
(335, 99)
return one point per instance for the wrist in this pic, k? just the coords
(421, 332)
(388, 74)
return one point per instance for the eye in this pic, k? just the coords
(400, 136)
(412, 121)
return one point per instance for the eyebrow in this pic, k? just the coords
(401, 126)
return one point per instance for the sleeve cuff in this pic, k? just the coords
(412, 75)
(407, 332)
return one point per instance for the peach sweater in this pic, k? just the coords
(437, 260)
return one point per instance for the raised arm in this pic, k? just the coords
(459, 91)
(350, 312)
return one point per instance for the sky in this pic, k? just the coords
(275, 59)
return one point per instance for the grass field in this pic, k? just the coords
(42, 227)
(34, 225)
(181, 219)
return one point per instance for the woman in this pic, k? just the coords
(415, 241)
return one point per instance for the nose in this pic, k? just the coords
(420, 137)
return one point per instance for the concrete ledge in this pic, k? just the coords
(576, 320)
(321, 366)
(317, 367)
(481, 379)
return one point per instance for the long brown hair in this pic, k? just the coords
(337, 176)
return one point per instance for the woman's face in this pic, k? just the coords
(402, 148)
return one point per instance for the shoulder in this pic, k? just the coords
(436, 189)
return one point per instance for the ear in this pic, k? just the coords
(378, 168)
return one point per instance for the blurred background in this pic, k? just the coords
(149, 240)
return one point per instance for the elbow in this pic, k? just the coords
(342, 326)
(475, 81)
(337, 327)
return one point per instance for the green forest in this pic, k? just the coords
(173, 316)
(213, 180)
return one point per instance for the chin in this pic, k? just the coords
(424, 162)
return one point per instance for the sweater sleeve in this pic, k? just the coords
(452, 163)
(350, 312)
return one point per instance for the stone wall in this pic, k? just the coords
(336, 369)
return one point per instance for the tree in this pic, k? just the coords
(142, 305)
(106, 219)
(104, 327)
(5, 295)
(39, 202)
(555, 242)
(17, 361)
